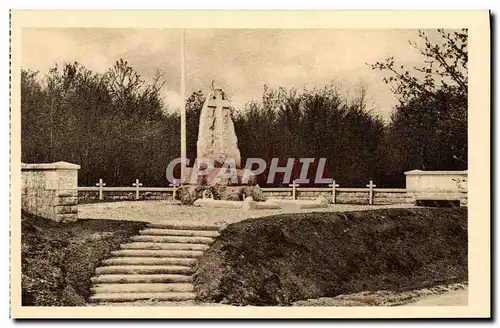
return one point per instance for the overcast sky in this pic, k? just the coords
(240, 61)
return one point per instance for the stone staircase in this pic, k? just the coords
(155, 265)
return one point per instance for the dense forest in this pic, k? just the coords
(117, 127)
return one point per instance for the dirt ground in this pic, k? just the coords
(168, 212)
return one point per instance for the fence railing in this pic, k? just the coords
(128, 189)
(367, 194)
(356, 194)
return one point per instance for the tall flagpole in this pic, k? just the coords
(183, 110)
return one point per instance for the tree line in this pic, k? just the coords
(117, 127)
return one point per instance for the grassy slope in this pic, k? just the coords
(58, 259)
(290, 257)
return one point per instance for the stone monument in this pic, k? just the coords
(217, 142)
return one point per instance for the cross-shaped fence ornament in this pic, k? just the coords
(294, 185)
(334, 194)
(371, 186)
(101, 185)
(137, 184)
(175, 185)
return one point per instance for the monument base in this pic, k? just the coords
(188, 194)
(243, 178)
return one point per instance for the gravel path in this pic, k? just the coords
(172, 213)
(454, 298)
(448, 295)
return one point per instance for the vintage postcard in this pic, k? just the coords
(232, 164)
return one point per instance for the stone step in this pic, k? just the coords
(144, 269)
(128, 297)
(175, 232)
(156, 253)
(183, 226)
(140, 278)
(174, 246)
(142, 288)
(149, 261)
(155, 265)
(173, 239)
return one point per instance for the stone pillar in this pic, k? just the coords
(50, 190)
(437, 185)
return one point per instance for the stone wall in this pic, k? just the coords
(437, 185)
(91, 195)
(343, 195)
(50, 190)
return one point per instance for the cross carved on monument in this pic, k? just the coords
(219, 102)
(217, 99)
(216, 137)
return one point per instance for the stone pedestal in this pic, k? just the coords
(50, 190)
(210, 179)
(188, 194)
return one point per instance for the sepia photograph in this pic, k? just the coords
(236, 167)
